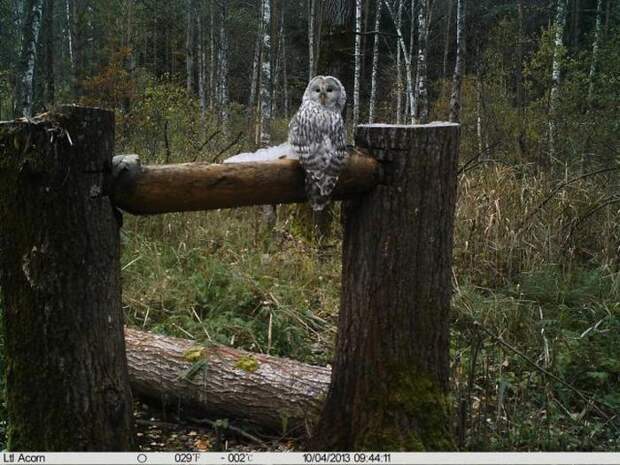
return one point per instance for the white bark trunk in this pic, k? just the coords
(421, 98)
(595, 47)
(311, 22)
(30, 35)
(375, 65)
(211, 55)
(265, 77)
(406, 55)
(256, 64)
(284, 71)
(223, 71)
(68, 32)
(399, 77)
(558, 51)
(358, 60)
(455, 96)
(202, 70)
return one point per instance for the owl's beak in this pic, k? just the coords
(323, 97)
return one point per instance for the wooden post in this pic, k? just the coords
(389, 385)
(66, 369)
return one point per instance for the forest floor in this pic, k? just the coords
(158, 431)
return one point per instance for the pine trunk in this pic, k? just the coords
(389, 385)
(271, 392)
(189, 47)
(67, 380)
(595, 48)
(446, 49)
(30, 37)
(49, 52)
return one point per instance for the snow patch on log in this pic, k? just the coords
(279, 152)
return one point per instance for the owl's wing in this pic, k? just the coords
(299, 132)
(334, 153)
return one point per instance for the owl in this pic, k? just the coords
(316, 134)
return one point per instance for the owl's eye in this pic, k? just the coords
(329, 89)
(317, 90)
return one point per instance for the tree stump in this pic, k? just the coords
(389, 385)
(66, 368)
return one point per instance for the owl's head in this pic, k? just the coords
(328, 91)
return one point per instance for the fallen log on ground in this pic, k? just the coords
(272, 392)
(179, 187)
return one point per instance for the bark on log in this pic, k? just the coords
(198, 186)
(274, 393)
(67, 381)
(389, 386)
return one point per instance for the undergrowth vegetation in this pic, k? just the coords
(536, 308)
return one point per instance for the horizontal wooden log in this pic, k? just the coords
(199, 186)
(272, 392)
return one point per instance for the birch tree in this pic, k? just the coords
(406, 56)
(457, 78)
(399, 77)
(202, 71)
(211, 54)
(558, 52)
(375, 64)
(30, 37)
(254, 80)
(420, 109)
(311, 23)
(265, 76)
(356, 76)
(222, 82)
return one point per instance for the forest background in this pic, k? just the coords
(535, 85)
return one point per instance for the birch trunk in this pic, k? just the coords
(68, 32)
(200, 49)
(356, 76)
(375, 65)
(311, 22)
(30, 37)
(412, 30)
(399, 77)
(595, 47)
(255, 65)
(223, 71)
(421, 99)
(265, 78)
(406, 56)
(455, 96)
(284, 60)
(211, 55)
(558, 52)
